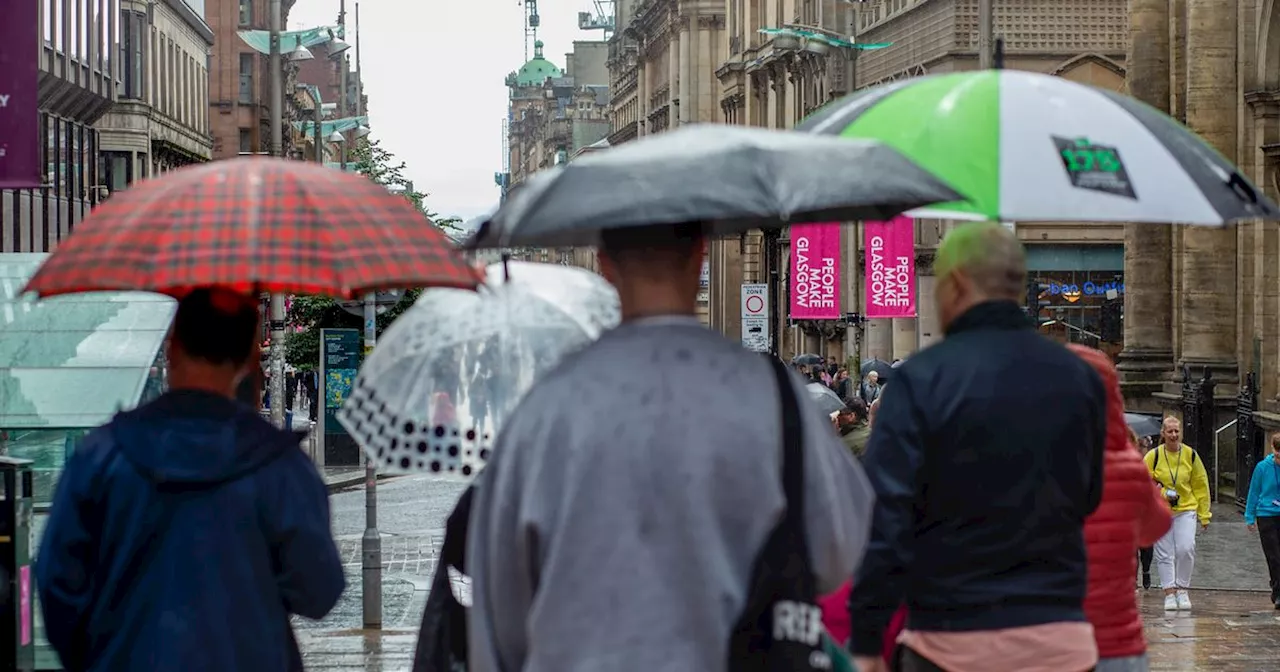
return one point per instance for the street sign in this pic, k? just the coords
(755, 334)
(339, 363)
(755, 300)
(755, 317)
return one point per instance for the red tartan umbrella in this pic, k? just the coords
(255, 225)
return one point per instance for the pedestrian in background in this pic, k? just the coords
(1132, 514)
(184, 533)
(1262, 512)
(1185, 485)
(986, 457)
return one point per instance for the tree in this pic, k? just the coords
(378, 164)
(310, 314)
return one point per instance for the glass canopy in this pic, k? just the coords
(68, 363)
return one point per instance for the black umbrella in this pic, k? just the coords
(1143, 424)
(731, 179)
(829, 402)
(882, 368)
(806, 359)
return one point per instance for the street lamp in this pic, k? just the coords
(336, 137)
(362, 131)
(336, 45)
(300, 54)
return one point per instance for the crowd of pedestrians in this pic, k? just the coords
(981, 511)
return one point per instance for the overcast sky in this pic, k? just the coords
(433, 70)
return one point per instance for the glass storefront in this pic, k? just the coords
(67, 364)
(1083, 301)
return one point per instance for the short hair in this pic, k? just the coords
(1275, 441)
(217, 326)
(989, 254)
(649, 244)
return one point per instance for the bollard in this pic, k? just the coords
(17, 613)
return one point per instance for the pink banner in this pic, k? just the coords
(815, 272)
(24, 605)
(891, 267)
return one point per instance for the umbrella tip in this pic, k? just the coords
(506, 267)
(998, 60)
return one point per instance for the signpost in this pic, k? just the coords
(755, 317)
(339, 363)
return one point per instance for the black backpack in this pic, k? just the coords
(780, 630)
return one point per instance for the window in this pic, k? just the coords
(246, 78)
(133, 35)
(246, 12)
(246, 141)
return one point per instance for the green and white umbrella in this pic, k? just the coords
(1023, 146)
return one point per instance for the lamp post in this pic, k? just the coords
(276, 111)
(371, 541)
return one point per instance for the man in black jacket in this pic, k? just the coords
(986, 459)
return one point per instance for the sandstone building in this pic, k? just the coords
(762, 84)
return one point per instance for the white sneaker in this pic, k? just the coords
(1184, 600)
(1170, 602)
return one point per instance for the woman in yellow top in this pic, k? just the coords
(1183, 481)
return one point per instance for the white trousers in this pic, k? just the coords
(1175, 553)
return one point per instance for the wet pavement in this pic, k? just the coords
(1223, 632)
(1228, 555)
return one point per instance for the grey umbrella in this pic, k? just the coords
(1143, 424)
(731, 178)
(828, 401)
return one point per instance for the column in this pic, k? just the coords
(879, 335)
(1148, 248)
(905, 339)
(1208, 291)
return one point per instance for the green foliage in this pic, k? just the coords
(380, 165)
(313, 313)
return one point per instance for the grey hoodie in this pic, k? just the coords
(619, 520)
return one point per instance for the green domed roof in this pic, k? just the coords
(537, 70)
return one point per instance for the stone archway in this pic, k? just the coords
(1268, 57)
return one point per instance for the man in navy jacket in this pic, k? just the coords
(183, 534)
(986, 459)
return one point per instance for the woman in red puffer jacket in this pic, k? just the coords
(1132, 515)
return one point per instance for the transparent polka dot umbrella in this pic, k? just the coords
(442, 379)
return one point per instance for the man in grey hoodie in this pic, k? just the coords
(630, 494)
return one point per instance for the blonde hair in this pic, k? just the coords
(1133, 438)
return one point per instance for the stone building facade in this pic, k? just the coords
(239, 78)
(662, 63)
(765, 86)
(1199, 297)
(554, 115)
(76, 88)
(161, 120)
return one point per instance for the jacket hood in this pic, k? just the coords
(189, 438)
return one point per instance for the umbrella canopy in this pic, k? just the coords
(807, 359)
(731, 178)
(828, 402)
(255, 225)
(882, 368)
(445, 375)
(1023, 146)
(1143, 424)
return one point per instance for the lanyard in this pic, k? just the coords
(1169, 466)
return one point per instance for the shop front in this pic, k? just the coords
(1081, 293)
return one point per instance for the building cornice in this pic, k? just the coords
(193, 20)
